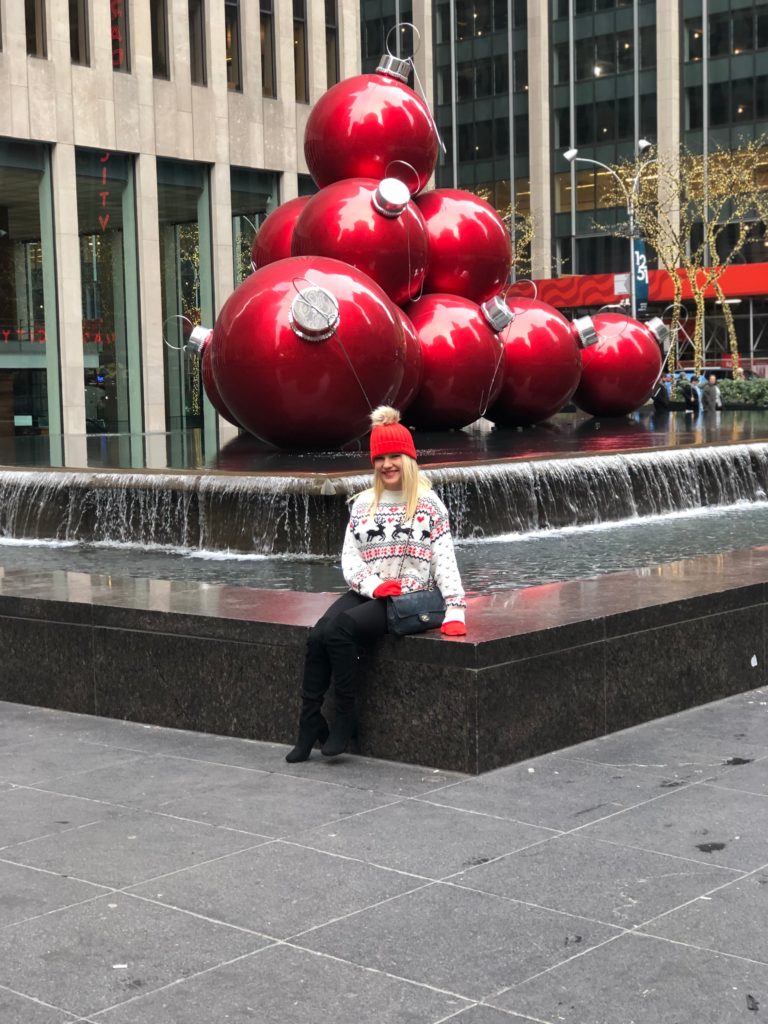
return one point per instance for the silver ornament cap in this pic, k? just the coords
(314, 314)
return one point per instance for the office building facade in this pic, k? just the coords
(141, 143)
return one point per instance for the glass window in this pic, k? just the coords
(520, 67)
(501, 137)
(499, 15)
(483, 77)
(482, 19)
(561, 64)
(761, 24)
(185, 265)
(719, 35)
(121, 50)
(232, 44)
(111, 349)
(466, 142)
(34, 16)
(464, 19)
(158, 13)
(742, 100)
(443, 23)
(562, 128)
(583, 6)
(78, 32)
(585, 59)
(465, 81)
(521, 134)
(626, 51)
(625, 111)
(29, 356)
(693, 41)
(648, 115)
(694, 107)
(198, 69)
(254, 195)
(585, 124)
(520, 13)
(267, 31)
(743, 32)
(604, 121)
(483, 140)
(331, 44)
(500, 74)
(648, 46)
(761, 105)
(443, 85)
(300, 68)
(605, 63)
(719, 103)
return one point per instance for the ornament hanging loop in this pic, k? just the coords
(415, 39)
(186, 330)
(410, 167)
(522, 280)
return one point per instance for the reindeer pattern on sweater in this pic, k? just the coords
(376, 544)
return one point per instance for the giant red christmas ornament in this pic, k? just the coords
(372, 126)
(542, 364)
(621, 369)
(209, 384)
(371, 225)
(304, 348)
(461, 362)
(470, 252)
(412, 375)
(273, 239)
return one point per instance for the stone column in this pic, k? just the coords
(540, 158)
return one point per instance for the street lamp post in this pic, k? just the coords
(630, 195)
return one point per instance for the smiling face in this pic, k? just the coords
(389, 468)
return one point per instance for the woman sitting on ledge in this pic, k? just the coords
(398, 541)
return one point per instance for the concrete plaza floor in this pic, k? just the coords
(150, 876)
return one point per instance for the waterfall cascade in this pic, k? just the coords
(306, 514)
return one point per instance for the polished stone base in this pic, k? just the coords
(541, 669)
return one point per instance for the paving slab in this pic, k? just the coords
(274, 805)
(16, 1009)
(284, 985)
(748, 778)
(603, 881)
(424, 838)
(28, 814)
(554, 792)
(466, 942)
(278, 889)
(26, 893)
(731, 920)
(725, 828)
(26, 763)
(100, 953)
(638, 980)
(130, 848)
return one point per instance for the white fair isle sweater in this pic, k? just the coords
(374, 546)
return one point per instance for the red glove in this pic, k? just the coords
(454, 628)
(389, 588)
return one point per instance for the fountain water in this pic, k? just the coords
(305, 513)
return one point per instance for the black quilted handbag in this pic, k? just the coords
(415, 612)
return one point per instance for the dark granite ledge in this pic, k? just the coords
(540, 668)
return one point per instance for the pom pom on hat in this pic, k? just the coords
(389, 436)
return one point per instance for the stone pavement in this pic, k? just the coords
(151, 876)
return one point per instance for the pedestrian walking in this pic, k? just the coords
(398, 542)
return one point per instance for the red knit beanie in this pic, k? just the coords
(389, 436)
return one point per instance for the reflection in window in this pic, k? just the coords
(742, 100)
(520, 68)
(185, 265)
(267, 30)
(121, 52)
(693, 41)
(300, 66)
(743, 34)
(198, 68)
(107, 273)
(232, 44)
(254, 195)
(331, 43)
(25, 370)
(160, 57)
(34, 16)
(78, 32)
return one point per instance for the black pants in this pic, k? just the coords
(351, 624)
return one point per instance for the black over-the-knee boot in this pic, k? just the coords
(313, 727)
(345, 659)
